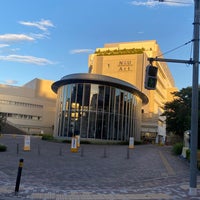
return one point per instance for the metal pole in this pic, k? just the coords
(170, 60)
(19, 173)
(194, 113)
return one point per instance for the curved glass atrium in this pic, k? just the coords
(96, 110)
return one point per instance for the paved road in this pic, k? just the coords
(96, 172)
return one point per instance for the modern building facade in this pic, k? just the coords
(97, 107)
(127, 61)
(110, 102)
(30, 108)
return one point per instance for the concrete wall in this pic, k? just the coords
(30, 107)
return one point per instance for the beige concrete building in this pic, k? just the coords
(127, 61)
(30, 108)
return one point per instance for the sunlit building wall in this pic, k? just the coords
(30, 108)
(97, 107)
(127, 61)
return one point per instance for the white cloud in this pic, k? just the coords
(15, 37)
(142, 3)
(152, 3)
(4, 45)
(11, 38)
(15, 49)
(26, 59)
(77, 51)
(11, 82)
(40, 36)
(42, 24)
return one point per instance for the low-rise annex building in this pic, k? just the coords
(31, 107)
(127, 61)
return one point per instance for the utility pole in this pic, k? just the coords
(195, 89)
(194, 113)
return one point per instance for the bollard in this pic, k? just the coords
(131, 143)
(17, 148)
(82, 151)
(128, 153)
(27, 143)
(74, 147)
(60, 151)
(19, 175)
(38, 149)
(104, 152)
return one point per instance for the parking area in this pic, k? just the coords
(52, 171)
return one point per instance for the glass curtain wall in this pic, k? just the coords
(96, 111)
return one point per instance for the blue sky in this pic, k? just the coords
(49, 39)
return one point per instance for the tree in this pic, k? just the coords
(178, 112)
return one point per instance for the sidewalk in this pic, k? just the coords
(102, 172)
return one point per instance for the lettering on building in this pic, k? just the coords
(125, 65)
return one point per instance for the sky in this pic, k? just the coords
(49, 39)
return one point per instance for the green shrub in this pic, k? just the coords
(3, 147)
(188, 154)
(84, 142)
(66, 141)
(138, 142)
(177, 148)
(47, 137)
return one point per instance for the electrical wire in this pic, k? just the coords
(191, 50)
(175, 48)
(176, 2)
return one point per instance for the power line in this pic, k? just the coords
(176, 2)
(175, 48)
